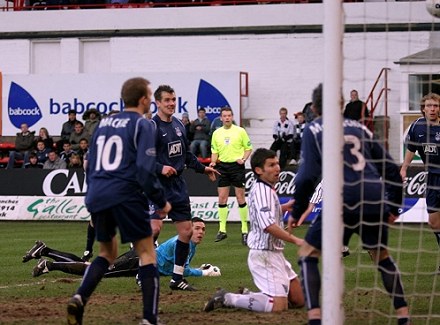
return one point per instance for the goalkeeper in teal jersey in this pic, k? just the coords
(128, 263)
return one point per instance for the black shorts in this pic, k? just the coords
(373, 232)
(232, 174)
(433, 193)
(176, 193)
(130, 217)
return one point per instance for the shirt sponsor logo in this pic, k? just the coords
(174, 149)
(429, 148)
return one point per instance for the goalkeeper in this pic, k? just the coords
(126, 264)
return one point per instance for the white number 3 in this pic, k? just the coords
(351, 139)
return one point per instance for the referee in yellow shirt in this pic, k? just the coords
(230, 148)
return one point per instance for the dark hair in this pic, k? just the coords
(317, 99)
(226, 109)
(201, 109)
(259, 157)
(33, 154)
(84, 139)
(79, 123)
(162, 88)
(197, 219)
(71, 111)
(133, 90)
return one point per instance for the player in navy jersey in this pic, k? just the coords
(173, 155)
(424, 137)
(121, 178)
(368, 173)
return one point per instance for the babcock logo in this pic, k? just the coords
(211, 99)
(22, 107)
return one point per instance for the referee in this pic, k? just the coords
(230, 148)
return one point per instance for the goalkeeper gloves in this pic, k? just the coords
(210, 270)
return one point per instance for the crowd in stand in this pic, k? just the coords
(41, 151)
(70, 151)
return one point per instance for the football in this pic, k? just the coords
(433, 7)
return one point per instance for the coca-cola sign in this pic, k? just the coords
(285, 186)
(415, 184)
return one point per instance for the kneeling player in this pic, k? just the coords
(271, 272)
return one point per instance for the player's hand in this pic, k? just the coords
(287, 206)
(205, 266)
(392, 218)
(164, 211)
(168, 171)
(212, 173)
(212, 271)
(403, 174)
(212, 164)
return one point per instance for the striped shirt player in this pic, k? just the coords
(272, 273)
(369, 172)
(424, 137)
(230, 148)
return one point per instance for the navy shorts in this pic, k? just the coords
(372, 231)
(176, 193)
(130, 217)
(232, 174)
(433, 193)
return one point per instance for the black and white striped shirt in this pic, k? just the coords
(264, 211)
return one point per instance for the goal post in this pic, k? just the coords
(332, 269)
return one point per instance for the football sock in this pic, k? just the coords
(90, 237)
(149, 278)
(243, 212)
(58, 256)
(77, 268)
(93, 275)
(255, 301)
(314, 322)
(180, 256)
(437, 236)
(223, 212)
(391, 281)
(403, 321)
(310, 281)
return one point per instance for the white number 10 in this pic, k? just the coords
(104, 148)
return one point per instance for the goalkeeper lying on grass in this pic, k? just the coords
(125, 265)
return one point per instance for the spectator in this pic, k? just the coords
(33, 162)
(200, 127)
(92, 118)
(282, 133)
(43, 135)
(54, 162)
(67, 129)
(42, 151)
(24, 142)
(297, 137)
(74, 161)
(356, 109)
(309, 114)
(67, 152)
(83, 148)
(77, 135)
(187, 123)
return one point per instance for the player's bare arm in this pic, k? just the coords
(280, 233)
(168, 171)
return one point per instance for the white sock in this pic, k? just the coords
(255, 301)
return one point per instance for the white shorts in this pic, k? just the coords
(271, 272)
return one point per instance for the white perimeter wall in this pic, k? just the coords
(283, 67)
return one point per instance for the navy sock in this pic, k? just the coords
(391, 281)
(90, 237)
(310, 281)
(180, 256)
(403, 321)
(149, 277)
(314, 322)
(437, 236)
(92, 277)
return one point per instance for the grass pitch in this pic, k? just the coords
(42, 300)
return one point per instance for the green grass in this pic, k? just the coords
(27, 300)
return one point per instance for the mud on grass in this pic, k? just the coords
(175, 308)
